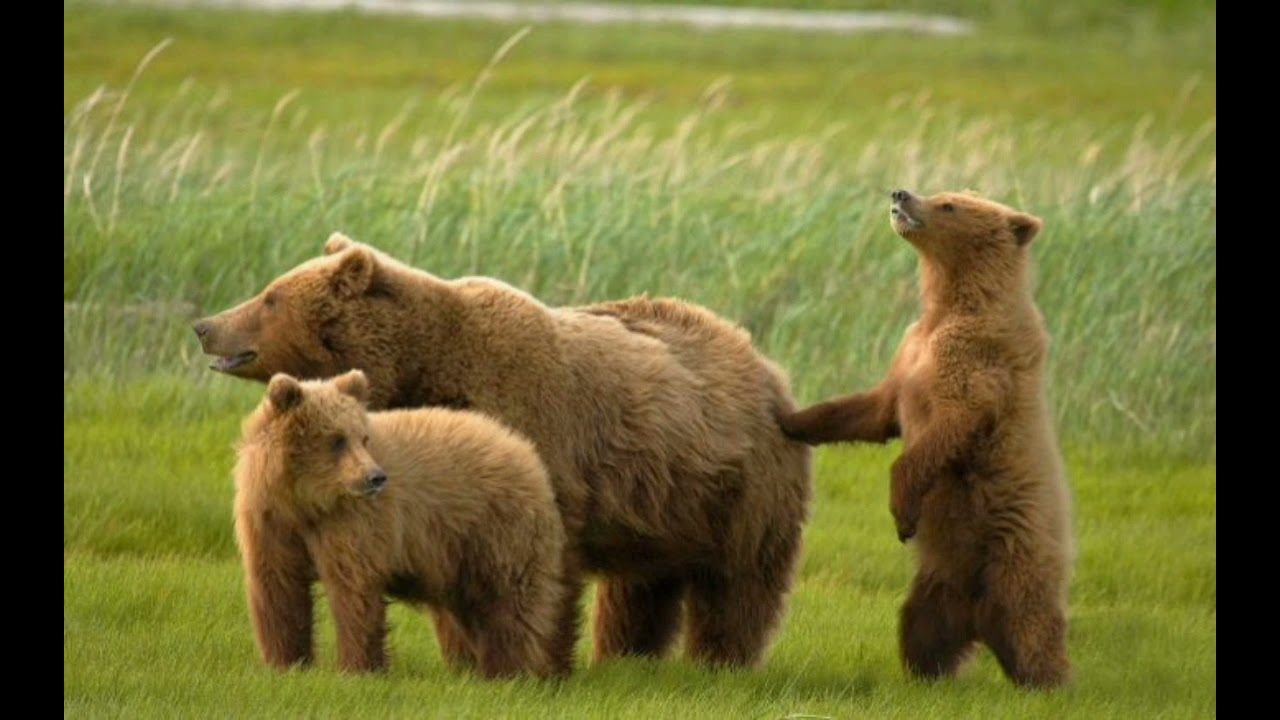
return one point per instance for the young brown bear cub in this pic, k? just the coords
(980, 481)
(438, 507)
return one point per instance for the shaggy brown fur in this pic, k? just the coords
(655, 419)
(444, 508)
(980, 481)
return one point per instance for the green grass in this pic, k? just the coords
(747, 171)
(155, 621)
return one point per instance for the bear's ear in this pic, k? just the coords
(284, 392)
(336, 243)
(353, 383)
(354, 273)
(1025, 227)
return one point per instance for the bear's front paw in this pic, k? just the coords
(904, 502)
(906, 527)
(787, 423)
(905, 534)
(799, 426)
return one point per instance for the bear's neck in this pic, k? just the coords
(430, 332)
(986, 289)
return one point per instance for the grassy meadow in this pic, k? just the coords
(205, 152)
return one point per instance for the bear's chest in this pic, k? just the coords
(916, 386)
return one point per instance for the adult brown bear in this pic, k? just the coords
(655, 419)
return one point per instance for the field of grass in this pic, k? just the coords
(205, 152)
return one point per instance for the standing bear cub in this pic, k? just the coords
(980, 481)
(655, 418)
(437, 507)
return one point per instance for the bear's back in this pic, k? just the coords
(450, 452)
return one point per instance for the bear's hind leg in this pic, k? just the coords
(731, 616)
(730, 622)
(636, 617)
(455, 647)
(516, 637)
(568, 617)
(1023, 619)
(937, 633)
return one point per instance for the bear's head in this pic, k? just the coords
(307, 443)
(297, 324)
(957, 228)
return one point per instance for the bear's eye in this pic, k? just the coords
(269, 300)
(338, 443)
(365, 441)
(948, 207)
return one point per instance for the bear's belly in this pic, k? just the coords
(410, 588)
(612, 551)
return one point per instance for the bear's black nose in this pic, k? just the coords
(376, 480)
(900, 195)
(201, 327)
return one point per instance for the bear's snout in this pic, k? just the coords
(374, 482)
(900, 196)
(202, 328)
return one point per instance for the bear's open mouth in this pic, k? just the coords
(902, 219)
(227, 364)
